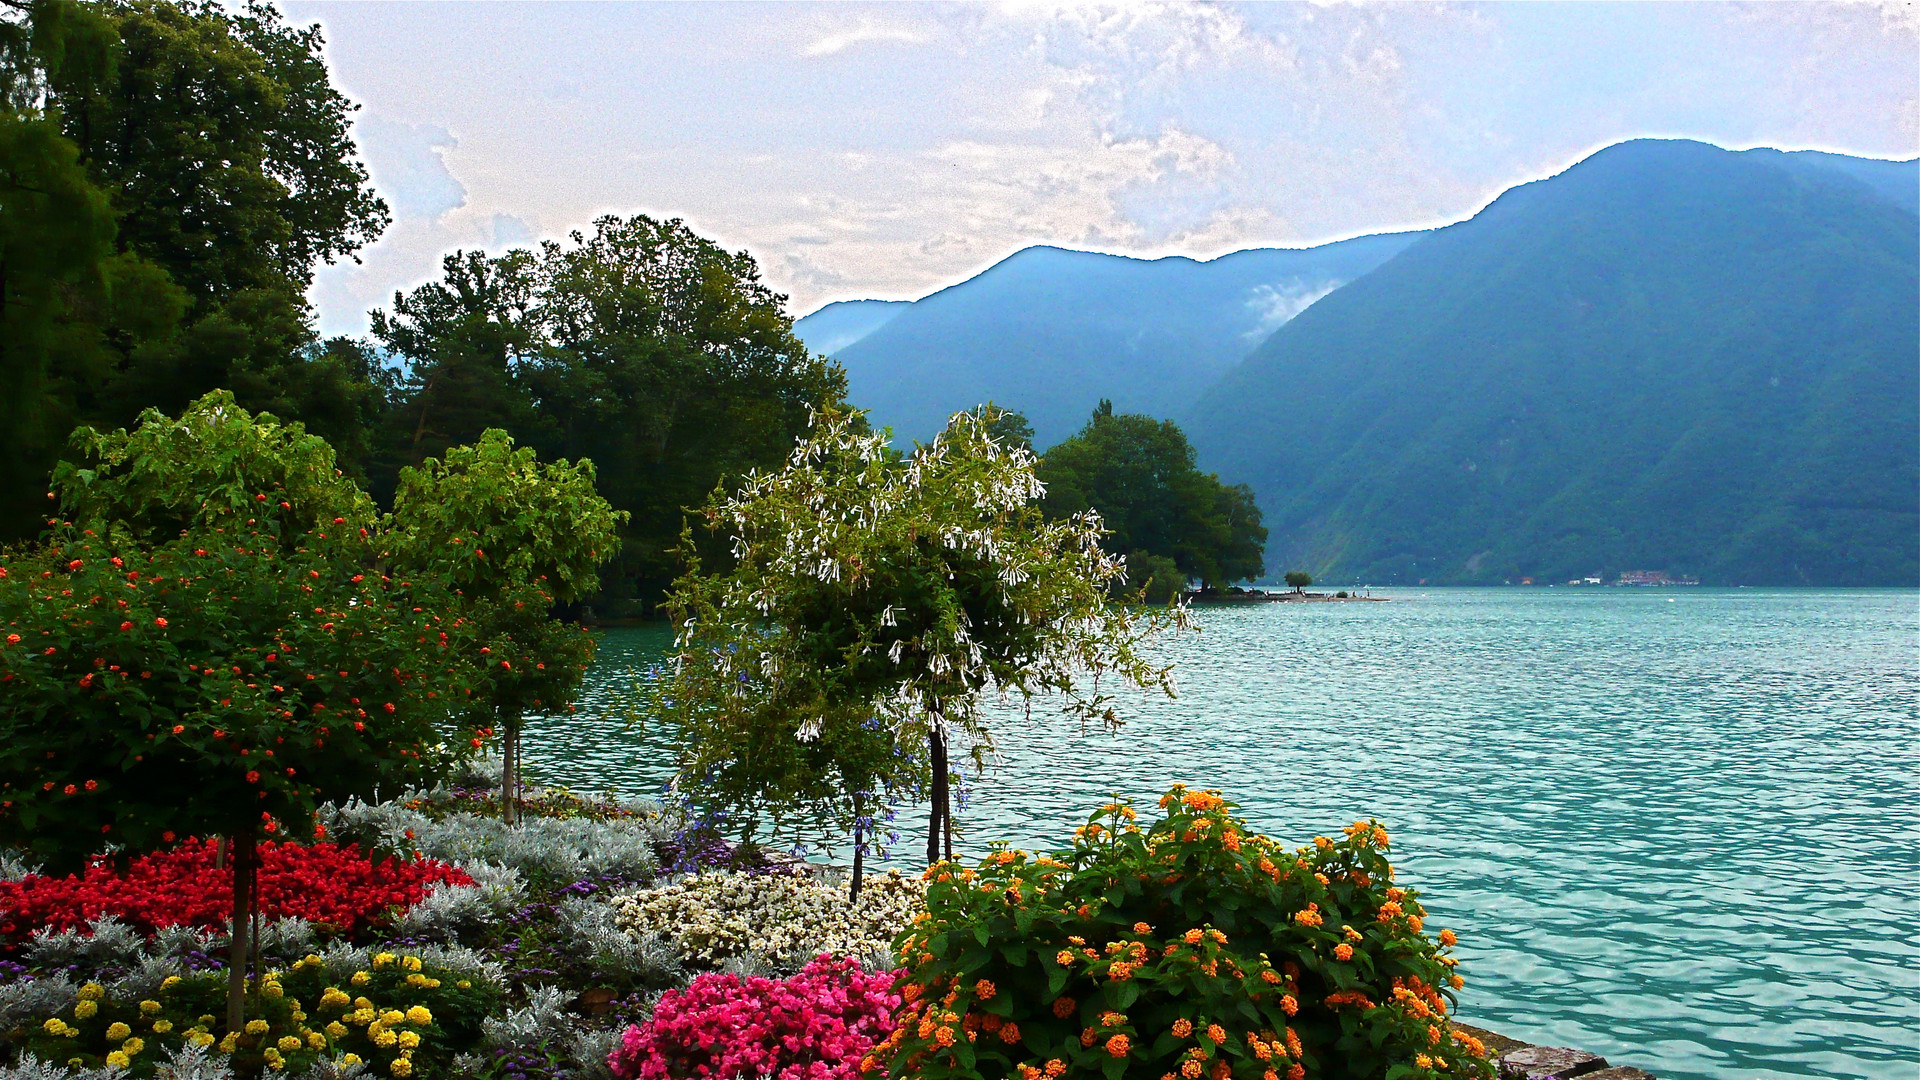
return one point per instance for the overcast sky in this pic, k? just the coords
(888, 150)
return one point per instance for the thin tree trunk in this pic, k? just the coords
(239, 948)
(510, 771)
(859, 847)
(936, 818)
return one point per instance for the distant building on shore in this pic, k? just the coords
(1651, 577)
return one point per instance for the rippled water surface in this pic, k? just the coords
(1676, 827)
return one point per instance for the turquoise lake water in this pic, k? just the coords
(1677, 827)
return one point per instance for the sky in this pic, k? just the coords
(886, 151)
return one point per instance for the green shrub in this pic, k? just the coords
(1192, 949)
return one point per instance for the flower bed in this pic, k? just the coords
(817, 1025)
(336, 887)
(714, 916)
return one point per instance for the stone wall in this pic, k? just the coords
(1516, 1060)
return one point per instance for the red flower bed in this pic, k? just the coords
(322, 883)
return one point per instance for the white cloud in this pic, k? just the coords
(1275, 305)
(840, 40)
(868, 150)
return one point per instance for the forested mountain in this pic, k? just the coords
(1051, 333)
(844, 322)
(1670, 356)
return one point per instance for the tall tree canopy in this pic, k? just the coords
(171, 174)
(1139, 474)
(655, 352)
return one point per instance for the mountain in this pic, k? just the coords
(844, 322)
(1669, 356)
(1051, 332)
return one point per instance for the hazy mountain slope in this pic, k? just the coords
(1050, 332)
(840, 324)
(1669, 356)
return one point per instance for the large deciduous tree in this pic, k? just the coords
(1139, 473)
(642, 345)
(866, 586)
(171, 174)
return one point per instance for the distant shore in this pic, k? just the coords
(1263, 596)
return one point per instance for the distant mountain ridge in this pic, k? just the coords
(1669, 356)
(1051, 332)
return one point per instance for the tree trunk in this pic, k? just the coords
(510, 771)
(937, 816)
(240, 947)
(859, 847)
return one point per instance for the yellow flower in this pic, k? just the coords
(333, 997)
(119, 1059)
(55, 1026)
(393, 1016)
(411, 963)
(409, 1040)
(169, 982)
(419, 1015)
(337, 1030)
(200, 1038)
(161, 1027)
(206, 1021)
(464, 984)
(361, 978)
(271, 991)
(257, 1027)
(134, 1045)
(288, 1043)
(297, 1015)
(316, 1040)
(148, 1008)
(401, 1067)
(274, 1060)
(85, 1008)
(117, 1031)
(363, 1003)
(228, 1041)
(381, 960)
(416, 979)
(384, 1038)
(92, 992)
(349, 1059)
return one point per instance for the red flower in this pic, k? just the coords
(161, 623)
(253, 776)
(323, 883)
(125, 626)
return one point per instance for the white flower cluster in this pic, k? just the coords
(714, 916)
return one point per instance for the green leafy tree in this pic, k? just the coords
(170, 176)
(867, 586)
(515, 539)
(1299, 579)
(1139, 473)
(643, 346)
(66, 296)
(205, 645)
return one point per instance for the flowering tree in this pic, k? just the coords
(203, 645)
(867, 586)
(516, 539)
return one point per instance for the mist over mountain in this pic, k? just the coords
(1051, 332)
(1669, 356)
